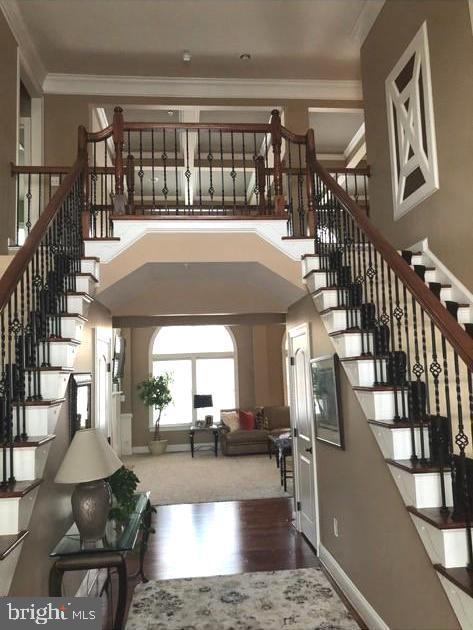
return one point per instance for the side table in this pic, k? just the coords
(72, 554)
(214, 428)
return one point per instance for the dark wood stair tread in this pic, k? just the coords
(298, 238)
(19, 489)
(435, 517)
(339, 308)
(460, 576)
(41, 403)
(377, 388)
(366, 357)
(10, 541)
(70, 340)
(304, 256)
(33, 440)
(105, 238)
(51, 368)
(346, 331)
(81, 293)
(64, 315)
(402, 424)
(96, 258)
(414, 467)
(83, 274)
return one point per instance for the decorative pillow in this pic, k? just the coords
(259, 418)
(231, 420)
(247, 420)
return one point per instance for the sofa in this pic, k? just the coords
(268, 421)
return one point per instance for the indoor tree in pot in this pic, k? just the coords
(155, 392)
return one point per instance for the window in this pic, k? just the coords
(201, 360)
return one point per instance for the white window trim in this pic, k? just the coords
(193, 358)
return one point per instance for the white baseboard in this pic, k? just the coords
(173, 448)
(351, 592)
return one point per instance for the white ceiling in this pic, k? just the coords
(200, 288)
(297, 39)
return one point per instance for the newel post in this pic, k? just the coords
(119, 206)
(82, 142)
(276, 141)
(309, 178)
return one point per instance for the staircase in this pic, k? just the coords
(403, 332)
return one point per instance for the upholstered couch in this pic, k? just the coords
(269, 421)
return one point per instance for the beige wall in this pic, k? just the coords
(8, 129)
(259, 363)
(446, 217)
(378, 546)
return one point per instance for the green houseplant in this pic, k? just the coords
(155, 392)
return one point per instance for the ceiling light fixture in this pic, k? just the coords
(186, 56)
(245, 56)
(170, 112)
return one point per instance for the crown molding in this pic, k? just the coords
(29, 58)
(183, 87)
(368, 14)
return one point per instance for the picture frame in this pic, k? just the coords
(328, 417)
(209, 420)
(80, 402)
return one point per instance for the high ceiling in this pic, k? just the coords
(299, 39)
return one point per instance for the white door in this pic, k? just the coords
(102, 381)
(304, 448)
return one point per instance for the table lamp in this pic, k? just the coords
(88, 462)
(203, 401)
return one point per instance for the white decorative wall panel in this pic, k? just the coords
(411, 126)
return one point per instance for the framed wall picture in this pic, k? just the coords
(80, 390)
(325, 373)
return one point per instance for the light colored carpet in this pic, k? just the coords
(301, 599)
(179, 478)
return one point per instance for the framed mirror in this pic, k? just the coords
(325, 374)
(80, 399)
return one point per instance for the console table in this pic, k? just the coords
(72, 554)
(214, 428)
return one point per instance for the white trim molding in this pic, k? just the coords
(411, 126)
(195, 87)
(351, 591)
(29, 58)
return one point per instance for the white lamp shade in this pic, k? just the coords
(88, 458)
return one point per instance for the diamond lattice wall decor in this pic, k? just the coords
(411, 126)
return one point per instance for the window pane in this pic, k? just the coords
(192, 339)
(216, 377)
(180, 410)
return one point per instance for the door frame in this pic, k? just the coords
(291, 333)
(103, 336)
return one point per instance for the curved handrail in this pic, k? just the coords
(14, 271)
(103, 134)
(293, 137)
(447, 324)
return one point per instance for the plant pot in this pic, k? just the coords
(157, 447)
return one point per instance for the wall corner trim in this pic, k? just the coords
(351, 591)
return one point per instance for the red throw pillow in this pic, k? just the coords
(247, 420)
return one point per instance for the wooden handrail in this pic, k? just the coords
(16, 268)
(54, 170)
(226, 127)
(103, 134)
(460, 340)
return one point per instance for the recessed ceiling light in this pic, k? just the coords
(245, 56)
(170, 112)
(186, 56)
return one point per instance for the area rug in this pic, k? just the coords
(301, 599)
(179, 478)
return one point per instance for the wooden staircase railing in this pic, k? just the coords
(419, 350)
(33, 297)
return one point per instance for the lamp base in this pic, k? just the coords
(91, 504)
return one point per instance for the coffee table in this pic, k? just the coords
(214, 428)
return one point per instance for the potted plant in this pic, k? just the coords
(123, 485)
(155, 392)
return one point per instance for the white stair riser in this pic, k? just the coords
(15, 513)
(28, 461)
(396, 443)
(362, 373)
(40, 420)
(316, 280)
(379, 405)
(447, 547)
(77, 304)
(53, 385)
(337, 320)
(61, 354)
(326, 299)
(422, 490)
(432, 275)
(349, 344)
(465, 315)
(90, 266)
(72, 328)
(85, 284)
(461, 603)
(310, 264)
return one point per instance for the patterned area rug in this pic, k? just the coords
(301, 599)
